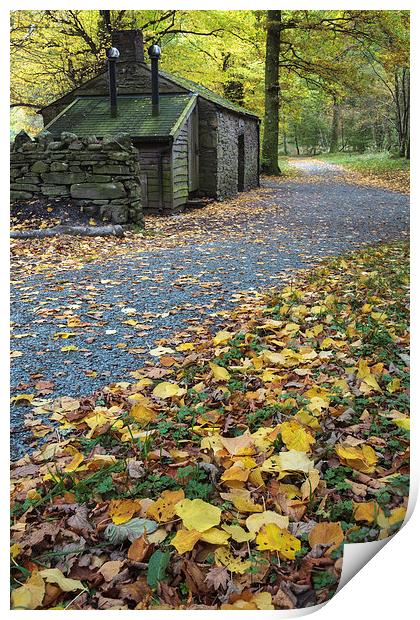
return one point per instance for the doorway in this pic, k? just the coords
(241, 163)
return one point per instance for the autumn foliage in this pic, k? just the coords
(230, 474)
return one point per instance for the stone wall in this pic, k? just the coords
(207, 131)
(229, 127)
(102, 176)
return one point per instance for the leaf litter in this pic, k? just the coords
(232, 479)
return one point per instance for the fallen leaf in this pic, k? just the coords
(326, 534)
(273, 538)
(185, 540)
(30, 595)
(197, 514)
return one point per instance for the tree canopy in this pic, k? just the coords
(343, 75)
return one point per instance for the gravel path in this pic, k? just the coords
(167, 290)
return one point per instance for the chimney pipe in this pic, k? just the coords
(113, 55)
(154, 54)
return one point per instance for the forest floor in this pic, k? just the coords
(200, 376)
(86, 311)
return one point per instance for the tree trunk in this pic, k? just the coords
(296, 141)
(335, 126)
(270, 146)
(402, 110)
(78, 231)
(285, 142)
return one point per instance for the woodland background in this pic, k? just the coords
(335, 80)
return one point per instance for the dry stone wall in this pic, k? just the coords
(101, 176)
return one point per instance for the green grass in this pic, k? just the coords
(286, 169)
(376, 163)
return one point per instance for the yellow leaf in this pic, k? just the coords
(54, 575)
(307, 419)
(259, 600)
(397, 515)
(142, 411)
(30, 595)
(393, 386)
(326, 534)
(255, 522)
(317, 404)
(290, 490)
(263, 438)
(366, 511)
(241, 499)
(308, 487)
(273, 538)
(167, 390)
(370, 381)
(288, 461)
(197, 514)
(273, 358)
(238, 534)
(64, 335)
(214, 536)
(16, 549)
(403, 423)
(295, 437)
(263, 600)
(239, 603)
(222, 337)
(236, 472)
(122, 510)
(362, 459)
(22, 398)
(185, 346)
(184, 540)
(163, 509)
(70, 347)
(241, 445)
(378, 316)
(219, 373)
(75, 462)
(223, 557)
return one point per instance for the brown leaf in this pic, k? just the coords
(137, 591)
(326, 534)
(36, 536)
(138, 549)
(79, 521)
(283, 600)
(194, 577)
(110, 569)
(168, 595)
(218, 577)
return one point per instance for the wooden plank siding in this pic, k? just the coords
(180, 168)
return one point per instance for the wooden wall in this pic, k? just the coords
(180, 168)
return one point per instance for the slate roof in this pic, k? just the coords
(87, 116)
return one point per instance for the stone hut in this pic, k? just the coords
(191, 142)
